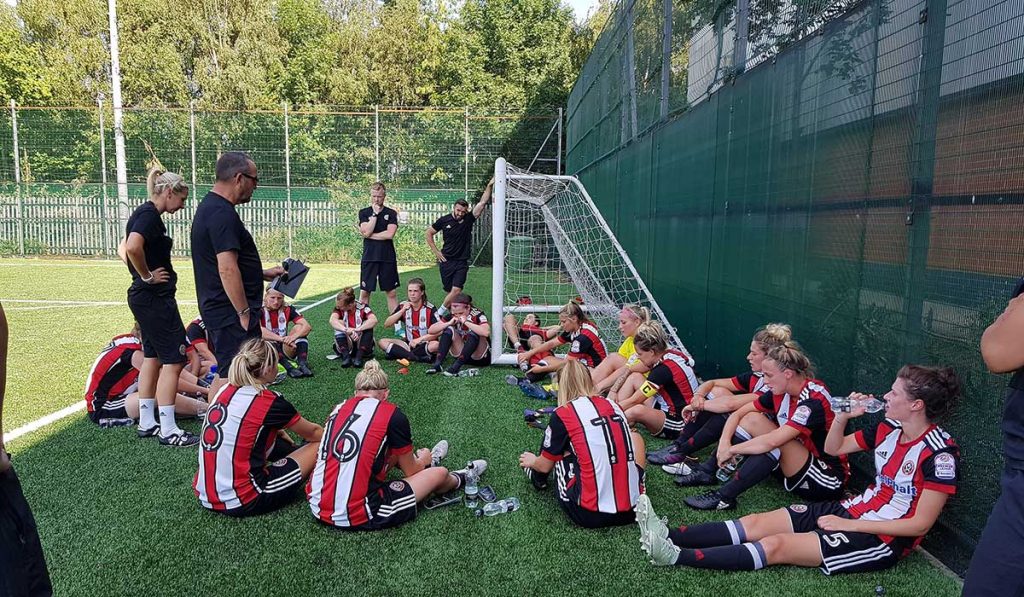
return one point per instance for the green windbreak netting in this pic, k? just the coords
(854, 169)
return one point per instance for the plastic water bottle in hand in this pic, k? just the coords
(727, 469)
(501, 506)
(472, 486)
(845, 404)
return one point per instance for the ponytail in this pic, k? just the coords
(253, 358)
(159, 180)
(372, 377)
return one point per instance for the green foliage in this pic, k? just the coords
(256, 54)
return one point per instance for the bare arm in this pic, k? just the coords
(307, 430)
(397, 315)
(336, 323)
(837, 442)
(733, 422)
(413, 462)
(1002, 344)
(387, 234)
(440, 326)
(433, 247)
(929, 506)
(478, 209)
(767, 442)
(231, 278)
(368, 324)
(541, 464)
(135, 253)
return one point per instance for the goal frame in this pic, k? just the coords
(498, 308)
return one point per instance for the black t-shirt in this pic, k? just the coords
(146, 221)
(458, 235)
(379, 250)
(216, 229)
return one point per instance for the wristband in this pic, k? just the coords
(244, 311)
(147, 280)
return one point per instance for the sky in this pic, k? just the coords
(580, 7)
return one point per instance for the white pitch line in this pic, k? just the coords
(80, 404)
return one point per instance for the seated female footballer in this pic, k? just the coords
(916, 471)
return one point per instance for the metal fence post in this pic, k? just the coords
(288, 177)
(465, 193)
(103, 182)
(666, 56)
(17, 181)
(558, 156)
(192, 138)
(376, 142)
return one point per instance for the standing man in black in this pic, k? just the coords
(378, 225)
(997, 567)
(453, 258)
(229, 273)
(22, 566)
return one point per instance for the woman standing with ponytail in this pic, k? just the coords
(247, 464)
(146, 250)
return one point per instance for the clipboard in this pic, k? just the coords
(289, 283)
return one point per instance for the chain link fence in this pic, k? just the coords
(58, 190)
(853, 168)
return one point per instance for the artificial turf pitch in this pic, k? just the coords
(117, 514)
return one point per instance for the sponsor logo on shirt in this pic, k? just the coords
(898, 488)
(945, 467)
(802, 414)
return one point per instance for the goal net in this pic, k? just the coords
(551, 245)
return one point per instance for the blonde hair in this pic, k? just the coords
(372, 377)
(253, 358)
(789, 355)
(650, 337)
(345, 298)
(573, 382)
(159, 180)
(772, 335)
(638, 312)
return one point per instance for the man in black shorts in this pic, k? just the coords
(453, 258)
(228, 271)
(22, 565)
(379, 264)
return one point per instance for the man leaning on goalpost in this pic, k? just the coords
(453, 257)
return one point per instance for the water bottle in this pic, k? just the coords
(501, 506)
(472, 489)
(211, 375)
(727, 469)
(469, 373)
(845, 404)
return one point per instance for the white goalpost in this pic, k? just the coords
(551, 245)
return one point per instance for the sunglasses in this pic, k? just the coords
(255, 179)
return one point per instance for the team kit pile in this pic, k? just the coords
(775, 420)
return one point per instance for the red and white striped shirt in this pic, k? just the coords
(673, 378)
(903, 471)
(238, 433)
(354, 318)
(112, 376)
(277, 321)
(360, 436)
(593, 430)
(586, 346)
(418, 321)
